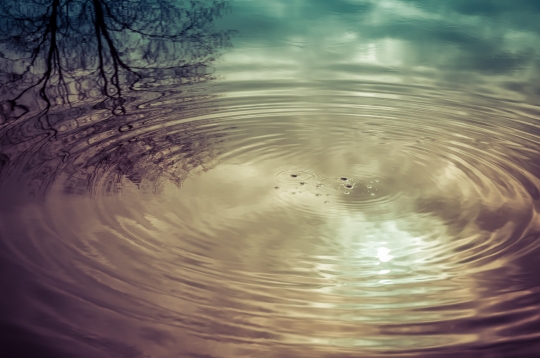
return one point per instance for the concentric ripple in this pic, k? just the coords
(328, 224)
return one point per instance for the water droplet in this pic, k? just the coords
(294, 175)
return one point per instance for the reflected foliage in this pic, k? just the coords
(75, 70)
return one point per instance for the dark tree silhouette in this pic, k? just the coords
(65, 64)
(66, 50)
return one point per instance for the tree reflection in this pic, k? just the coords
(65, 64)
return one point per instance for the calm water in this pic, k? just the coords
(299, 178)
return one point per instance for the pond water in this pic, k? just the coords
(305, 178)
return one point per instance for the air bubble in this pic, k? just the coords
(294, 175)
(343, 178)
(302, 183)
(276, 187)
(348, 186)
(369, 186)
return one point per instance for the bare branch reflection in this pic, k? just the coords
(75, 71)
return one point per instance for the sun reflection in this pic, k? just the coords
(383, 254)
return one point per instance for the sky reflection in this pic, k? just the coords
(339, 179)
(419, 42)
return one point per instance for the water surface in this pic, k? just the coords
(270, 179)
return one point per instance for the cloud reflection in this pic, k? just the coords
(341, 197)
(455, 43)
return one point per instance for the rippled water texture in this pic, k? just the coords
(270, 179)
